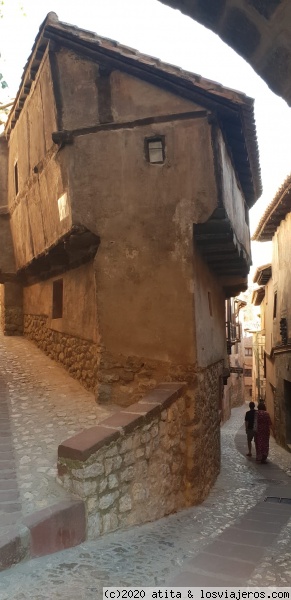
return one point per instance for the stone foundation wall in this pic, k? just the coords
(125, 379)
(11, 311)
(236, 390)
(80, 357)
(151, 459)
(205, 415)
(115, 379)
(12, 321)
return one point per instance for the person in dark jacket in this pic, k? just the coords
(250, 426)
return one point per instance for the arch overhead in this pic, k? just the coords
(258, 30)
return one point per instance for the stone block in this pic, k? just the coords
(107, 500)
(125, 503)
(139, 492)
(94, 470)
(149, 410)
(276, 69)
(139, 452)
(111, 451)
(83, 489)
(56, 528)
(109, 522)
(241, 33)
(129, 458)
(154, 431)
(112, 482)
(112, 464)
(164, 394)
(127, 421)
(126, 445)
(103, 393)
(127, 474)
(84, 444)
(266, 9)
(14, 547)
(103, 485)
(92, 504)
(94, 525)
(209, 12)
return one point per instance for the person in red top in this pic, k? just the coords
(263, 427)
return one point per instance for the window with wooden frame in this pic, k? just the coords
(155, 149)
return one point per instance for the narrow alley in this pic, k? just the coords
(233, 538)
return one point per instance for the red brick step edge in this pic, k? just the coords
(52, 529)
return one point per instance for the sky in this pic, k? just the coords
(158, 30)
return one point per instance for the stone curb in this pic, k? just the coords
(52, 529)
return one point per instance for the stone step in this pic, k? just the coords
(52, 529)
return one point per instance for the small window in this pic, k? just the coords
(155, 150)
(250, 392)
(57, 311)
(275, 306)
(248, 372)
(248, 352)
(16, 185)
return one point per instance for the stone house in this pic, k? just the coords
(124, 219)
(275, 226)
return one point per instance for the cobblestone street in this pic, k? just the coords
(43, 404)
(166, 552)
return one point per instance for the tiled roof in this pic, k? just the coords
(275, 213)
(234, 110)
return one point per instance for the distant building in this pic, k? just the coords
(275, 226)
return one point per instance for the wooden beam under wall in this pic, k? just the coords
(56, 87)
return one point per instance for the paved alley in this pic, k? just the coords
(185, 547)
(41, 406)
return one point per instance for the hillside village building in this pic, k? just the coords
(275, 226)
(124, 221)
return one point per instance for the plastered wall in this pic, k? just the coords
(144, 216)
(79, 306)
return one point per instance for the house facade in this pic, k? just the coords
(275, 226)
(126, 217)
(234, 389)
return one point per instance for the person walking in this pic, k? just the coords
(263, 426)
(249, 425)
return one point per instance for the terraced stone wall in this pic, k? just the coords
(78, 356)
(122, 380)
(151, 459)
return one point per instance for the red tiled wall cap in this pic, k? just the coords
(83, 445)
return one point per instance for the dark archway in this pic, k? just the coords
(259, 30)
